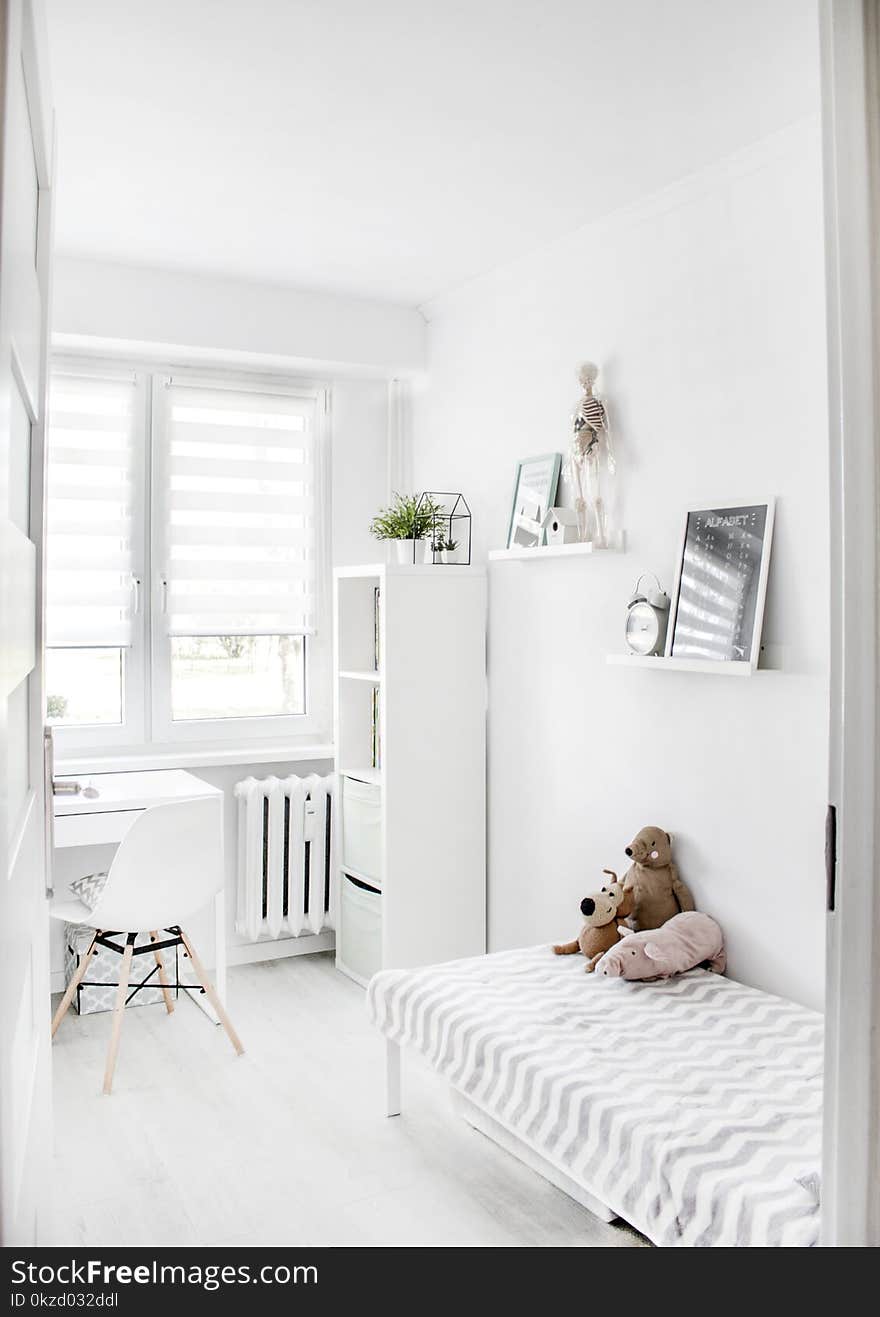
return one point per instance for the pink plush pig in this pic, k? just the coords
(683, 942)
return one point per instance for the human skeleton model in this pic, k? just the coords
(591, 434)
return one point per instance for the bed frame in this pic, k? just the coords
(485, 1124)
(689, 1107)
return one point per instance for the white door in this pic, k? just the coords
(25, 247)
(851, 113)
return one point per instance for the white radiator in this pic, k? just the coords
(285, 856)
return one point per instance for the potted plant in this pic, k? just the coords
(442, 547)
(407, 519)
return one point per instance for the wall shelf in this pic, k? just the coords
(380, 571)
(660, 663)
(541, 551)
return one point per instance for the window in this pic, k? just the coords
(94, 551)
(85, 687)
(235, 544)
(203, 597)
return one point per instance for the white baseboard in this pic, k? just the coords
(249, 954)
(284, 946)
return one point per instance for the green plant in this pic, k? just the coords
(409, 517)
(442, 545)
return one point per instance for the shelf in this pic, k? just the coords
(540, 551)
(371, 676)
(438, 571)
(659, 662)
(372, 775)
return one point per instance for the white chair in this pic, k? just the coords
(168, 865)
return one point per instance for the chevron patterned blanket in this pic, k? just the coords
(690, 1106)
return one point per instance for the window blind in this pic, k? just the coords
(91, 492)
(239, 490)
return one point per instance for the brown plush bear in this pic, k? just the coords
(657, 891)
(601, 912)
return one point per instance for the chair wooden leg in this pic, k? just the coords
(211, 994)
(163, 977)
(118, 1012)
(72, 986)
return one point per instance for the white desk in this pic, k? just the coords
(105, 818)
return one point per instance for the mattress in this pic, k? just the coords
(691, 1106)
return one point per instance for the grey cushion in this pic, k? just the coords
(89, 889)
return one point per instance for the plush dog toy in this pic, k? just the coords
(601, 912)
(658, 893)
(685, 941)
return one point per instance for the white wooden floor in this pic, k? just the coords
(286, 1145)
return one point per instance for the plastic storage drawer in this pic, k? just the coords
(361, 928)
(362, 829)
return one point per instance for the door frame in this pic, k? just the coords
(38, 87)
(25, 1182)
(850, 50)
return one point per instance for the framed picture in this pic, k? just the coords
(533, 496)
(721, 583)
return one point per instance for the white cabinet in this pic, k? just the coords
(410, 714)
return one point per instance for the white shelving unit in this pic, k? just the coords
(424, 898)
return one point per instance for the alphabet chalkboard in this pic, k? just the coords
(722, 581)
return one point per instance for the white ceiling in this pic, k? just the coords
(395, 148)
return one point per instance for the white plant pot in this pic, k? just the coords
(443, 555)
(428, 551)
(403, 551)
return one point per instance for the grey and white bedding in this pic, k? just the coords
(690, 1106)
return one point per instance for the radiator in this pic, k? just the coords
(285, 856)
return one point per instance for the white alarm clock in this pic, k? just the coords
(647, 617)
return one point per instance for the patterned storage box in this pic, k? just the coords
(97, 991)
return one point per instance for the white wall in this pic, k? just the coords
(360, 467)
(704, 306)
(205, 316)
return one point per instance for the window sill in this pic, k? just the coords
(92, 761)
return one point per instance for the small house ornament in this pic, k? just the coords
(561, 526)
(590, 446)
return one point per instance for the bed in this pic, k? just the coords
(690, 1107)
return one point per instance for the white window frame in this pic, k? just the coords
(148, 727)
(133, 728)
